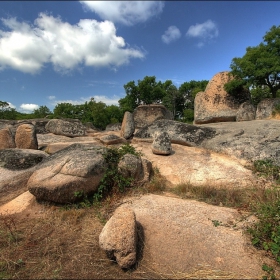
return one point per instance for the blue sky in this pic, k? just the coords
(69, 51)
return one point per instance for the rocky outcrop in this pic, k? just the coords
(180, 133)
(257, 140)
(162, 143)
(18, 159)
(114, 127)
(119, 237)
(128, 126)
(146, 114)
(75, 169)
(66, 128)
(246, 112)
(111, 139)
(26, 137)
(215, 104)
(195, 239)
(7, 139)
(265, 108)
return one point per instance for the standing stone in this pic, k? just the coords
(128, 126)
(162, 143)
(265, 108)
(26, 137)
(215, 104)
(246, 112)
(7, 140)
(119, 237)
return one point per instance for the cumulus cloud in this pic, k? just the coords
(171, 34)
(28, 107)
(206, 30)
(126, 12)
(28, 48)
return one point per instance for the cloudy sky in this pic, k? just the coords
(69, 51)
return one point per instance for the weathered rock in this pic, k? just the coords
(18, 159)
(78, 168)
(112, 139)
(258, 140)
(6, 138)
(180, 133)
(246, 112)
(119, 237)
(130, 166)
(181, 239)
(114, 127)
(265, 108)
(66, 128)
(162, 143)
(146, 114)
(128, 126)
(13, 183)
(26, 137)
(199, 167)
(215, 104)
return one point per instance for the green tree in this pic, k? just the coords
(6, 112)
(42, 112)
(260, 66)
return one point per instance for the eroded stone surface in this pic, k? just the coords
(26, 137)
(162, 143)
(128, 126)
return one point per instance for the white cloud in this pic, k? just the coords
(11, 105)
(28, 107)
(171, 34)
(51, 97)
(126, 12)
(107, 100)
(28, 48)
(206, 30)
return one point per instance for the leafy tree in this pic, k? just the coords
(260, 66)
(114, 113)
(6, 112)
(42, 112)
(189, 90)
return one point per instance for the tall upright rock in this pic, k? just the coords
(215, 104)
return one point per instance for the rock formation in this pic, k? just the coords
(66, 128)
(215, 104)
(128, 126)
(6, 138)
(246, 112)
(162, 143)
(26, 137)
(265, 108)
(119, 237)
(111, 139)
(146, 114)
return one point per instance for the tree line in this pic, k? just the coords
(256, 76)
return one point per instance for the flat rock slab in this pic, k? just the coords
(254, 140)
(13, 183)
(180, 238)
(198, 166)
(18, 204)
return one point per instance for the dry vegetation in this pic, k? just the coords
(51, 241)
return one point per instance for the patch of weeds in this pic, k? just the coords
(266, 232)
(216, 223)
(270, 272)
(276, 110)
(267, 168)
(157, 183)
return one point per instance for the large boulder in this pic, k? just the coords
(119, 237)
(162, 143)
(77, 169)
(215, 104)
(112, 139)
(265, 108)
(18, 159)
(180, 133)
(65, 127)
(7, 139)
(26, 137)
(246, 112)
(146, 114)
(128, 126)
